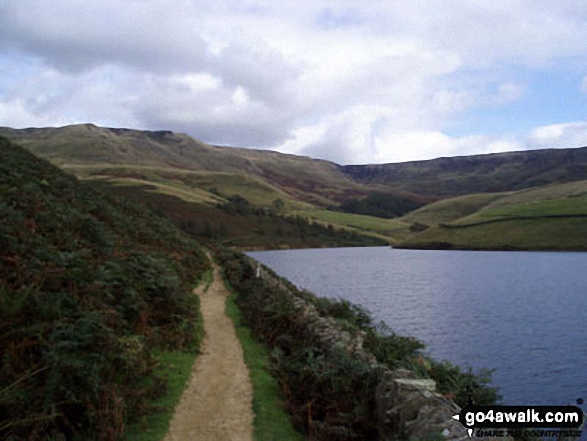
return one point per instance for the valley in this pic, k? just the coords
(519, 200)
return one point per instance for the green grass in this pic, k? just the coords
(553, 207)
(387, 228)
(271, 422)
(189, 185)
(176, 367)
(524, 234)
(524, 220)
(448, 210)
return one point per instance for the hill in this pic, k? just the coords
(191, 181)
(498, 172)
(552, 217)
(105, 152)
(90, 287)
(93, 151)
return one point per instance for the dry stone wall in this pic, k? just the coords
(407, 407)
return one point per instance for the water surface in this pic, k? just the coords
(520, 313)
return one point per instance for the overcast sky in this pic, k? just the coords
(352, 82)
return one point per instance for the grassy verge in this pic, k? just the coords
(176, 367)
(271, 421)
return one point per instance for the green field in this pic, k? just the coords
(390, 229)
(448, 210)
(568, 234)
(552, 217)
(555, 207)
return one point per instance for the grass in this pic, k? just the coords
(271, 422)
(523, 234)
(172, 189)
(191, 185)
(524, 220)
(176, 367)
(386, 228)
(554, 207)
(450, 209)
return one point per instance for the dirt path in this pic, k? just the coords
(217, 403)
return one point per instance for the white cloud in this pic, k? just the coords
(559, 135)
(378, 83)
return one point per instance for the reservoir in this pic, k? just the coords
(522, 314)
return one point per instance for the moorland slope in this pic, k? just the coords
(291, 199)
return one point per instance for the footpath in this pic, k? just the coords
(217, 402)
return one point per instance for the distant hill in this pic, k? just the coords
(88, 148)
(190, 180)
(496, 172)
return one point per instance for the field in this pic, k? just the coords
(390, 229)
(569, 234)
(448, 210)
(191, 186)
(553, 217)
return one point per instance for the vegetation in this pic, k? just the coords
(389, 229)
(448, 210)
(175, 367)
(271, 421)
(329, 393)
(552, 217)
(564, 234)
(241, 224)
(382, 205)
(191, 179)
(90, 287)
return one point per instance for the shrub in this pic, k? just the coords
(90, 285)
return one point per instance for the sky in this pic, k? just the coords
(351, 82)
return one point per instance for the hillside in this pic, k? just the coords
(191, 181)
(94, 151)
(90, 287)
(551, 217)
(496, 172)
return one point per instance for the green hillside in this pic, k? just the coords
(447, 210)
(248, 226)
(190, 180)
(90, 286)
(391, 229)
(552, 217)
(93, 150)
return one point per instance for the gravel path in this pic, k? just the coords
(217, 403)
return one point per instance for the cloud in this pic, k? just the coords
(382, 82)
(559, 135)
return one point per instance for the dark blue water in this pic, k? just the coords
(520, 313)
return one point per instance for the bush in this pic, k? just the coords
(329, 393)
(90, 285)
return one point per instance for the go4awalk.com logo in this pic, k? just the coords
(518, 421)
